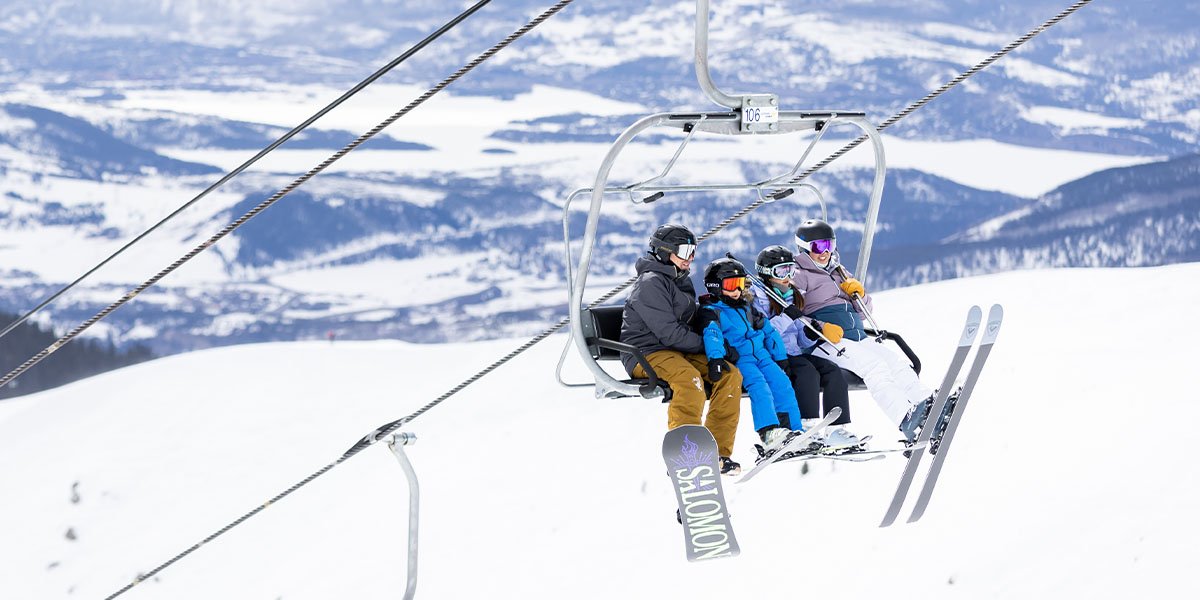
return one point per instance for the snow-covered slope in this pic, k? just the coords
(1071, 475)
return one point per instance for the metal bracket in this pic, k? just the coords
(760, 112)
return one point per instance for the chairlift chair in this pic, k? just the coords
(595, 330)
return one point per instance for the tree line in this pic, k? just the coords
(79, 359)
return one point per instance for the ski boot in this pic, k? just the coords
(729, 467)
(943, 421)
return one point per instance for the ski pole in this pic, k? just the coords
(862, 306)
(776, 297)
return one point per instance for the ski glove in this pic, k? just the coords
(811, 332)
(793, 312)
(783, 365)
(717, 368)
(853, 287)
(833, 332)
(731, 353)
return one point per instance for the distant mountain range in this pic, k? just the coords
(1132, 217)
(448, 254)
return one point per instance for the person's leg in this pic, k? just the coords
(906, 378)
(835, 390)
(724, 404)
(762, 404)
(782, 395)
(806, 382)
(865, 360)
(687, 388)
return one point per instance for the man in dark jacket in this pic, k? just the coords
(657, 321)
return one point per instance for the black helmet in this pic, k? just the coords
(771, 256)
(812, 230)
(719, 270)
(667, 240)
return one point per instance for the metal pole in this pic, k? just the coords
(397, 443)
(702, 75)
(862, 306)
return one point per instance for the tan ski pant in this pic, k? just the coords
(685, 373)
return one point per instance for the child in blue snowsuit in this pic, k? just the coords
(733, 321)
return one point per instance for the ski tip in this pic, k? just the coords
(971, 327)
(995, 317)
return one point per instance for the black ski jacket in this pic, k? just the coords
(659, 311)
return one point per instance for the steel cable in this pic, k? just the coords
(379, 433)
(280, 194)
(451, 24)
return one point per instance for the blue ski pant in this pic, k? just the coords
(770, 392)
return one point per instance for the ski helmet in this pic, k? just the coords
(771, 257)
(811, 231)
(672, 238)
(721, 269)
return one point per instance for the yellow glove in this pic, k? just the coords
(853, 287)
(832, 332)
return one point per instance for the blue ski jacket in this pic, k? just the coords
(736, 325)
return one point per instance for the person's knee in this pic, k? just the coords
(833, 377)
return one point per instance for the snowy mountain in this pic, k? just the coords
(447, 226)
(1133, 217)
(531, 490)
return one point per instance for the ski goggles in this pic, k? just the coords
(820, 246)
(783, 270)
(730, 284)
(685, 251)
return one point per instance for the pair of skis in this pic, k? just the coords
(966, 341)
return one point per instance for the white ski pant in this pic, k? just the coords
(890, 379)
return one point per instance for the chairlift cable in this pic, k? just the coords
(941, 90)
(62, 341)
(381, 432)
(451, 24)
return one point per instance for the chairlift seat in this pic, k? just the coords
(602, 332)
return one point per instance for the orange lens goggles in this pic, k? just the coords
(733, 283)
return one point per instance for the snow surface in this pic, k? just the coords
(1072, 474)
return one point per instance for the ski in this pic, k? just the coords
(795, 442)
(855, 456)
(995, 319)
(965, 341)
(690, 453)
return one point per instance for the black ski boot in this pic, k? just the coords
(935, 440)
(728, 467)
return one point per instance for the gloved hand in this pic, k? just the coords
(831, 331)
(731, 353)
(853, 287)
(812, 332)
(717, 368)
(793, 312)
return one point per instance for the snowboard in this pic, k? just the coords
(690, 453)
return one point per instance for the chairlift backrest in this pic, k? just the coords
(602, 322)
